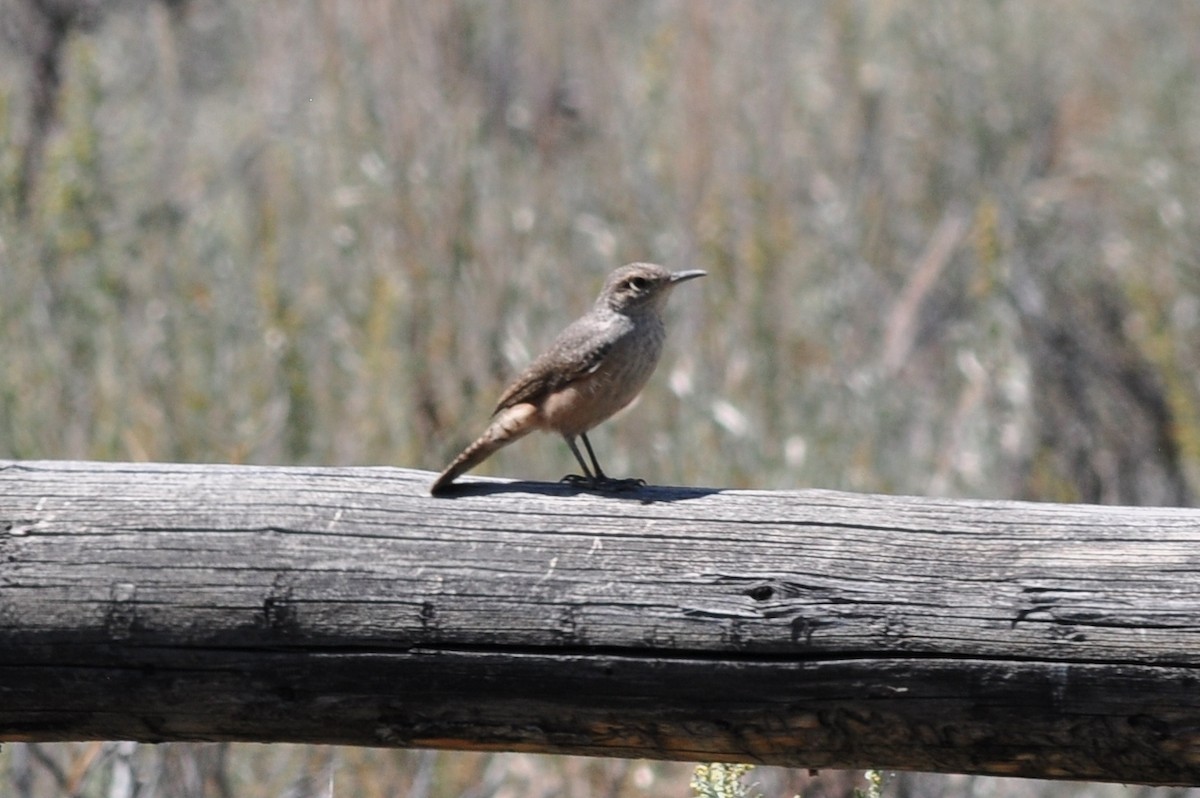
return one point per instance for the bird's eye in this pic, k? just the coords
(637, 283)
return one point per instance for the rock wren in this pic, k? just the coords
(594, 368)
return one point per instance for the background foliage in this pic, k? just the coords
(952, 249)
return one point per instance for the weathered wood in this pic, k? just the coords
(811, 628)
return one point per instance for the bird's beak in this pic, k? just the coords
(679, 277)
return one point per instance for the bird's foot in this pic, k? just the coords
(603, 483)
(620, 485)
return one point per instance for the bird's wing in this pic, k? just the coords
(577, 352)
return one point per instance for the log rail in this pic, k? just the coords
(161, 602)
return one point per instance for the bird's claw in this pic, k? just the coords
(618, 485)
(605, 484)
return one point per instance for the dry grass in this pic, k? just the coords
(328, 232)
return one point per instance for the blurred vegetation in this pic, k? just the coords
(717, 780)
(949, 244)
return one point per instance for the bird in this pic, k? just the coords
(595, 367)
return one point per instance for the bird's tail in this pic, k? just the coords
(509, 425)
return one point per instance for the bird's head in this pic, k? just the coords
(641, 285)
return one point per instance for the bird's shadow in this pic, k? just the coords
(645, 494)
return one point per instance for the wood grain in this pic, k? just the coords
(808, 628)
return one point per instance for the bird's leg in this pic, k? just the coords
(595, 463)
(604, 481)
(586, 479)
(595, 477)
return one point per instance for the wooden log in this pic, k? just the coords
(807, 628)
